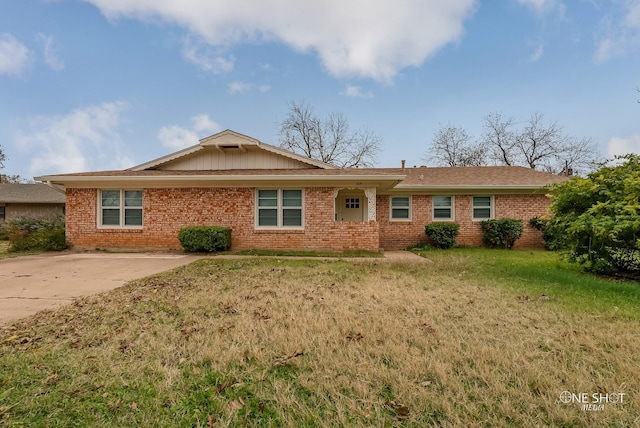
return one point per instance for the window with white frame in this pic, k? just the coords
(443, 207)
(401, 208)
(121, 208)
(482, 207)
(279, 208)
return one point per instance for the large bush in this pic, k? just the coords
(207, 239)
(502, 233)
(442, 235)
(597, 218)
(39, 234)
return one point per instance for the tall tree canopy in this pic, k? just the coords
(328, 139)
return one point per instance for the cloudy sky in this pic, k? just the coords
(107, 84)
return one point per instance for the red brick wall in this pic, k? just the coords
(168, 210)
(399, 234)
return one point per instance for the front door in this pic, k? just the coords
(352, 208)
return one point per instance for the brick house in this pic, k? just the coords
(272, 198)
(29, 200)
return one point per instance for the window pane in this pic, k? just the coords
(292, 198)
(267, 198)
(292, 217)
(442, 201)
(111, 217)
(110, 198)
(133, 198)
(482, 213)
(133, 217)
(482, 201)
(400, 213)
(2, 213)
(442, 213)
(400, 201)
(267, 217)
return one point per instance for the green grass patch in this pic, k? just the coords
(463, 340)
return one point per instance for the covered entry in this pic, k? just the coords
(355, 204)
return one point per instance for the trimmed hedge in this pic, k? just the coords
(443, 235)
(502, 233)
(205, 239)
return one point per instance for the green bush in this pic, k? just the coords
(205, 238)
(551, 241)
(37, 234)
(502, 233)
(596, 219)
(442, 235)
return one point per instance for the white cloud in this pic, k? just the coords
(622, 146)
(205, 57)
(15, 57)
(351, 38)
(542, 6)
(51, 58)
(176, 137)
(619, 35)
(84, 139)
(239, 87)
(537, 54)
(356, 92)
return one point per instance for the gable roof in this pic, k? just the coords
(229, 142)
(232, 159)
(30, 194)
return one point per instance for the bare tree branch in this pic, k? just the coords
(329, 140)
(451, 146)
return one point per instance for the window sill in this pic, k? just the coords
(102, 229)
(278, 230)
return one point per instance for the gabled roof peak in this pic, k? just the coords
(225, 142)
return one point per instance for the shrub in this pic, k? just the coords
(597, 218)
(552, 240)
(205, 238)
(502, 233)
(443, 235)
(39, 234)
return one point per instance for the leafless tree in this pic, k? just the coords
(537, 144)
(2, 158)
(452, 146)
(499, 138)
(329, 140)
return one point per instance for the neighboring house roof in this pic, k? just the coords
(232, 159)
(15, 193)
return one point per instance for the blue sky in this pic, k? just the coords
(108, 84)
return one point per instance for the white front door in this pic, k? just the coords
(352, 208)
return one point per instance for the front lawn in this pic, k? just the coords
(473, 338)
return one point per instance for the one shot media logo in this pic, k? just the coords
(592, 402)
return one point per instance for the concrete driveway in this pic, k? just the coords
(32, 283)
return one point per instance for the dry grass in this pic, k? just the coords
(314, 343)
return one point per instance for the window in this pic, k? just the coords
(280, 208)
(442, 207)
(121, 208)
(3, 214)
(401, 208)
(352, 203)
(482, 207)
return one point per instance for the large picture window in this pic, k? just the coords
(279, 208)
(482, 207)
(121, 208)
(443, 208)
(401, 208)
